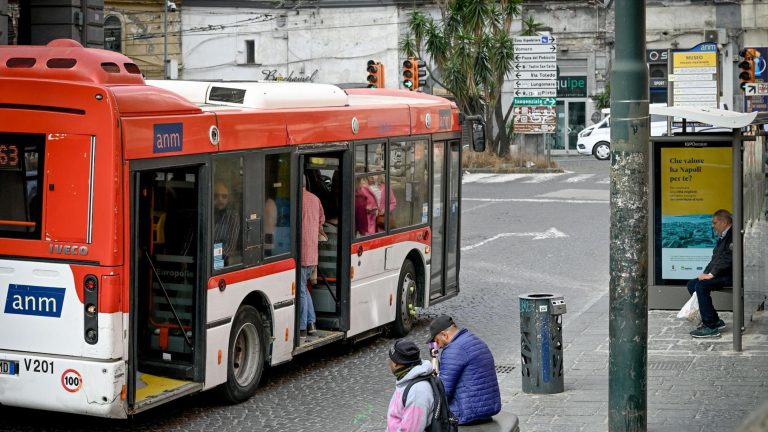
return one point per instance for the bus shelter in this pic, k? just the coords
(713, 159)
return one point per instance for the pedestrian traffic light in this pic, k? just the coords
(410, 74)
(747, 66)
(375, 74)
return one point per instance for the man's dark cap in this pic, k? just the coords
(439, 324)
(405, 352)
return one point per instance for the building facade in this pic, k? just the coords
(146, 33)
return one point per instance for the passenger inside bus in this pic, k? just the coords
(366, 208)
(226, 228)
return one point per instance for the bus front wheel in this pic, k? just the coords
(406, 300)
(245, 361)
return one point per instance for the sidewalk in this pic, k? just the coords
(693, 384)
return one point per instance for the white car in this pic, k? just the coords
(596, 139)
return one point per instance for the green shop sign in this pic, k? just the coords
(571, 86)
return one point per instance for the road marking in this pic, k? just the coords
(540, 178)
(578, 178)
(606, 180)
(539, 200)
(502, 178)
(582, 194)
(548, 234)
(473, 177)
(467, 210)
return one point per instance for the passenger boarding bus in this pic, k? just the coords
(150, 233)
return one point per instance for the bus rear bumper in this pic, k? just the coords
(78, 386)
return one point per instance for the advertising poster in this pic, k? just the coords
(694, 182)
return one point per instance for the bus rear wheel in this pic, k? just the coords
(245, 361)
(406, 300)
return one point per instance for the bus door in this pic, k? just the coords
(323, 172)
(167, 284)
(446, 193)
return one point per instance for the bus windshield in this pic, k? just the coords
(21, 168)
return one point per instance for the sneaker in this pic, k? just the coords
(720, 325)
(705, 332)
(311, 329)
(303, 334)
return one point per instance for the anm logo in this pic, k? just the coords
(34, 300)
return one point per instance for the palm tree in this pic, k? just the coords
(471, 52)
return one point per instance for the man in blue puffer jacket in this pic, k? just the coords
(467, 371)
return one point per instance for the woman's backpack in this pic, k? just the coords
(442, 418)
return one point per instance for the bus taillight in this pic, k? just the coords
(91, 308)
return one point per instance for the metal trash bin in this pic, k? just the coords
(541, 342)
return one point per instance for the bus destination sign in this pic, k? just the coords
(9, 157)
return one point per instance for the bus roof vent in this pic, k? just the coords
(262, 94)
(67, 60)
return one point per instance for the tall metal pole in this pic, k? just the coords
(165, 39)
(628, 316)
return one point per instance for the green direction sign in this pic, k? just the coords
(534, 101)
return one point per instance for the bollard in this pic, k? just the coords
(541, 342)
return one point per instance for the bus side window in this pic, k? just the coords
(227, 212)
(277, 204)
(373, 199)
(409, 181)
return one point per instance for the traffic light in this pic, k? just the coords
(421, 73)
(414, 73)
(410, 72)
(747, 66)
(375, 74)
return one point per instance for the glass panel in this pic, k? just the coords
(560, 136)
(373, 199)
(408, 170)
(576, 121)
(21, 169)
(277, 204)
(113, 34)
(167, 238)
(438, 224)
(227, 208)
(452, 228)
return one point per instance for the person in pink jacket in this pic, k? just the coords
(406, 364)
(370, 195)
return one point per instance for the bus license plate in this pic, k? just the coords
(9, 367)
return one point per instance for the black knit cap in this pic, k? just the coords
(439, 324)
(405, 352)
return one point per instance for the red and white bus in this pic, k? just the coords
(119, 290)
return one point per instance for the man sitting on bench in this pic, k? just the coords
(718, 274)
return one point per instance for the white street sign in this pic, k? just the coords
(523, 58)
(545, 66)
(712, 104)
(535, 92)
(535, 75)
(694, 91)
(696, 98)
(534, 40)
(539, 84)
(688, 84)
(756, 89)
(695, 70)
(534, 49)
(694, 77)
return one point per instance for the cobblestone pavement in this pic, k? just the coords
(693, 384)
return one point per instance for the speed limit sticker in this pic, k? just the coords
(71, 380)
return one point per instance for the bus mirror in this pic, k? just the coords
(478, 137)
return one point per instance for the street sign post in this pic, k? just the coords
(534, 84)
(694, 76)
(756, 89)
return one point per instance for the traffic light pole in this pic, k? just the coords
(628, 313)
